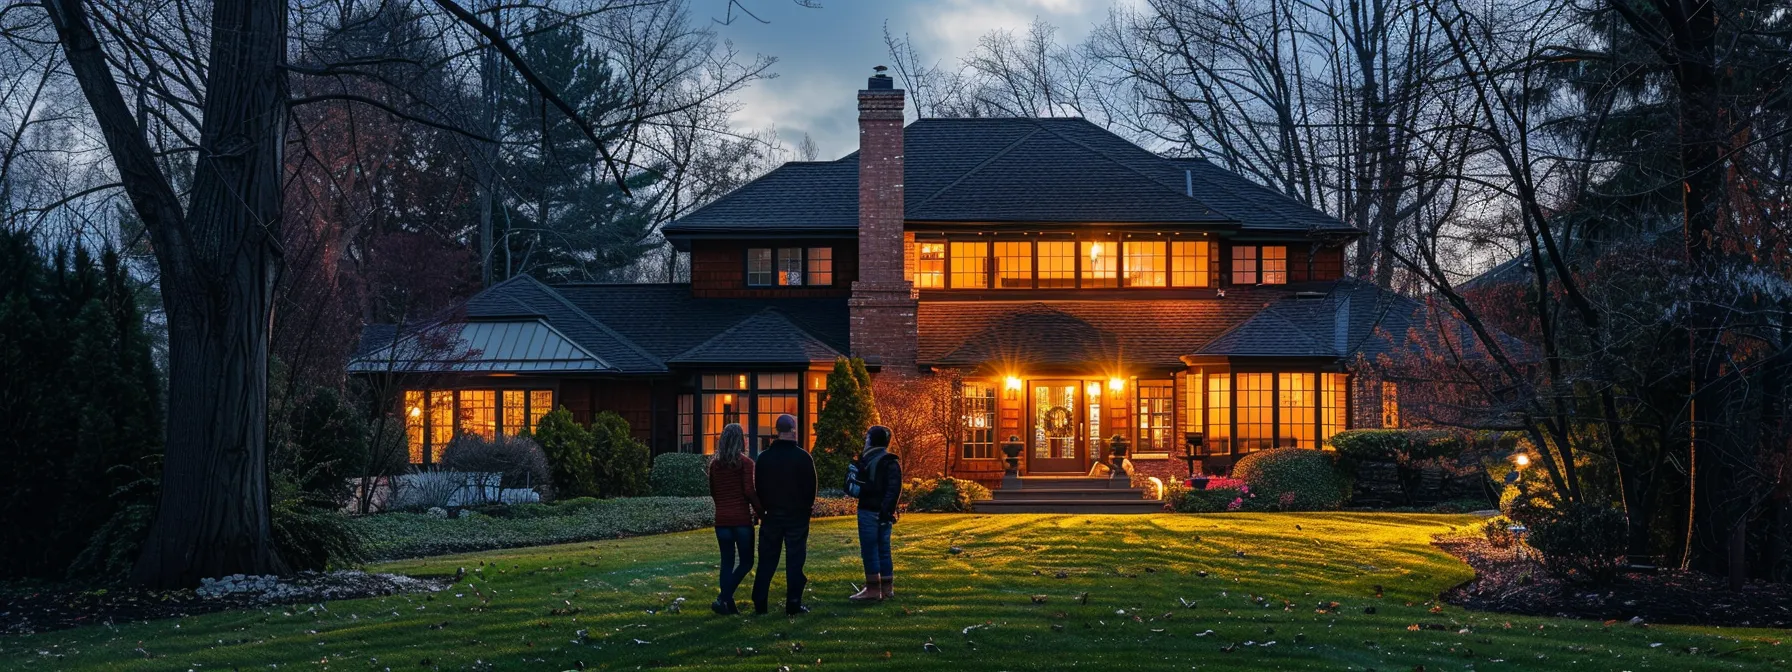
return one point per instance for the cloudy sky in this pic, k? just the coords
(824, 55)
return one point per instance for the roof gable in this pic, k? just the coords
(766, 337)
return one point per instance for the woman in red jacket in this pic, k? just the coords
(737, 507)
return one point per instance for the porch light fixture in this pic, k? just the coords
(1116, 384)
(1094, 389)
(1012, 382)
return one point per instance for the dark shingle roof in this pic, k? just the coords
(666, 320)
(1009, 170)
(765, 338)
(1353, 320)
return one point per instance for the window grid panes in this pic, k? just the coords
(1192, 386)
(1190, 259)
(1332, 405)
(930, 265)
(1256, 411)
(816, 396)
(1057, 264)
(821, 266)
(1014, 265)
(1244, 264)
(978, 439)
(540, 403)
(1219, 412)
(1101, 263)
(1156, 413)
(790, 266)
(759, 266)
(687, 423)
(515, 413)
(441, 423)
(1275, 265)
(1147, 263)
(413, 424)
(970, 265)
(1294, 398)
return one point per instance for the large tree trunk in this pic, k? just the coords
(218, 261)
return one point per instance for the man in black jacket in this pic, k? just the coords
(784, 474)
(881, 475)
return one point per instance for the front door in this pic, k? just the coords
(1056, 444)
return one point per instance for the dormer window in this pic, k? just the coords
(790, 266)
(1252, 264)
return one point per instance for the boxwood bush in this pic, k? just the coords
(1581, 541)
(1403, 445)
(680, 475)
(1292, 479)
(1184, 499)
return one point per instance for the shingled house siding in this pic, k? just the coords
(719, 269)
(631, 399)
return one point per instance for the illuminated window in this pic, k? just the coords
(515, 412)
(1014, 265)
(1147, 263)
(1390, 405)
(970, 265)
(759, 266)
(775, 395)
(1189, 261)
(1294, 401)
(1244, 264)
(1155, 416)
(790, 266)
(478, 413)
(1219, 412)
(441, 423)
(817, 395)
(1192, 413)
(1275, 265)
(725, 398)
(1101, 263)
(413, 424)
(1256, 411)
(1333, 405)
(687, 423)
(541, 402)
(1057, 264)
(821, 265)
(930, 266)
(978, 438)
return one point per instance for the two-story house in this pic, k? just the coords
(1074, 286)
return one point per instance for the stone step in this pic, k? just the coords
(1094, 506)
(1070, 494)
(1073, 483)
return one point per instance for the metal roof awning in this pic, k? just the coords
(512, 346)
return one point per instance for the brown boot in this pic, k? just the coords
(887, 587)
(870, 593)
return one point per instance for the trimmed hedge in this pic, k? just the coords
(406, 535)
(943, 495)
(1183, 499)
(680, 475)
(1362, 445)
(1292, 479)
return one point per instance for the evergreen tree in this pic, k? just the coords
(569, 449)
(621, 462)
(862, 377)
(840, 429)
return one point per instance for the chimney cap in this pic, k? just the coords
(880, 81)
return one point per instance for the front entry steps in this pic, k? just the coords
(1046, 494)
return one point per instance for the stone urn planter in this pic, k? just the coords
(1117, 448)
(1011, 477)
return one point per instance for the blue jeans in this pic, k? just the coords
(735, 542)
(874, 545)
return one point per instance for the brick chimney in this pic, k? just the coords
(883, 302)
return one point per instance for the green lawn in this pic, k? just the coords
(1269, 608)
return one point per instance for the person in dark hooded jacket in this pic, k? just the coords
(881, 474)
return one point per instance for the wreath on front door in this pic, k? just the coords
(1057, 421)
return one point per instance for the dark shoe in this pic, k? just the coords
(758, 608)
(719, 607)
(795, 608)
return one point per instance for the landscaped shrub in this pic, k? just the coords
(621, 461)
(680, 475)
(1292, 479)
(312, 537)
(408, 535)
(425, 490)
(826, 507)
(568, 448)
(1498, 531)
(1402, 445)
(943, 495)
(1232, 496)
(517, 458)
(1581, 541)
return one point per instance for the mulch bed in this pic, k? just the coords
(1509, 580)
(27, 609)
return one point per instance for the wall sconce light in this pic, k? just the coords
(1116, 384)
(1094, 389)
(1012, 383)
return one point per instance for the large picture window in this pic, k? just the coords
(432, 418)
(1147, 263)
(1156, 415)
(977, 439)
(1256, 411)
(725, 401)
(776, 395)
(1333, 405)
(1295, 408)
(1014, 265)
(1057, 264)
(1189, 261)
(1219, 412)
(1101, 263)
(970, 265)
(753, 400)
(930, 265)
